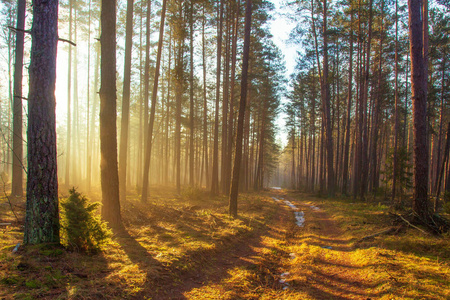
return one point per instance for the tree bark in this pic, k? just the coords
(123, 151)
(42, 215)
(349, 107)
(191, 94)
(421, 206)
(396, 121)
(205, 108)
(148, 152)
(326, 106)
(108, 130)
(17, 169)
(232, 95)
(215, 171)
(242, 104)
(69, 105)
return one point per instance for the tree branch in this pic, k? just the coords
(29, 32)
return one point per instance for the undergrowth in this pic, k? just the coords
(81, 226)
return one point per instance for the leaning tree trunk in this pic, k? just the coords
(42, 216)
(108, 130)
(17, 168)
(421, 205)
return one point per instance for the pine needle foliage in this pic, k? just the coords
(81, 226)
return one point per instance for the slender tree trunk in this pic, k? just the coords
(377, 111)
(17, 169)
(225, 165)
(178, 95)
(441, 120)
(75, 128)
(345, 172)
(232, 95)
(358, 112)
(396, 121)
(148, 152)
(205, 107)
(108, 130)
(364, 113)
(191, 94)
(419, 96)
(42, 216)
(326, 106)
(69, 158)
(241, 116)
(147, 71)
(88, 106)
(215, 171)
(123, 151)
(94, 114)
(167, 152)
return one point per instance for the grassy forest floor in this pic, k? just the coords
(187, 247)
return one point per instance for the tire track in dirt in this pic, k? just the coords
(248, 252)
(324, 265)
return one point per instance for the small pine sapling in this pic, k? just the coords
(81, 226)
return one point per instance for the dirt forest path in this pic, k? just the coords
(219, 277)
(279, 261)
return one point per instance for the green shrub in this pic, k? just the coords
(81, 227)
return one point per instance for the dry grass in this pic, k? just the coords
(187, 247)
(166, 239)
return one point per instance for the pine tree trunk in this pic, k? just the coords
(148, 152)
(441, 120)
(396, 120)
(17, 169)
(42, 216)
(191, 94)
(69, 158)
(229, 151)
(123, 151)
(345, 172)
(178, 99)
(147, 73)
(205, 165)
(364, 114)
(377, 112)
(108, 130)
(215, 171)
(418, 87)
(241, 116)
(326, 106)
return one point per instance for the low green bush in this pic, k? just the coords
(81, 227)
